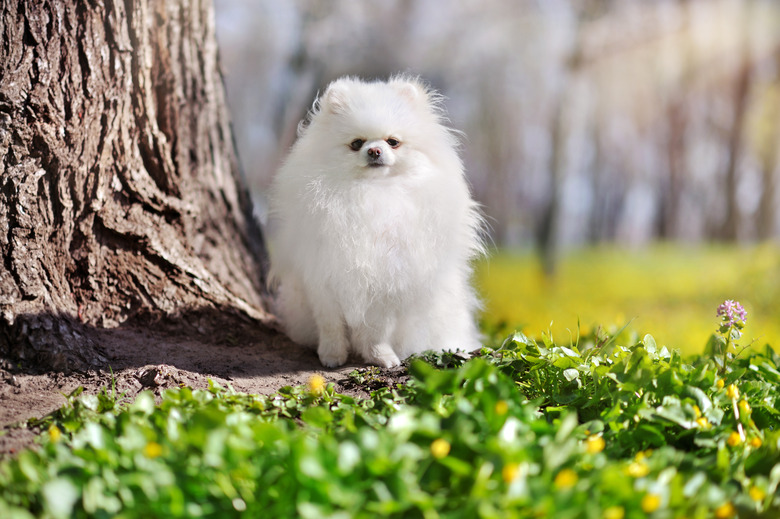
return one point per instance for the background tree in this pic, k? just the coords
(120, 193)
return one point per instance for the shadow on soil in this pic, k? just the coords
(43, 358)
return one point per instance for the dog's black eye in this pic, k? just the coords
(356, 144)
(394, 143)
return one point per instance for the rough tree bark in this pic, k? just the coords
(120, 193)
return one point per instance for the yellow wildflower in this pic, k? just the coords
(703, 423)
(440, 448)
(744, 408)
(54, 433)
(650, 503)
(502, 407)
(756, 494)
(732, 392)
(509, 472)
(638, 469)
(153, 450)
(641, 455)
(565, 479)
(755, 442)
(734, 439)
(614, 512)
(697, 411)
(594, 444)
(719, 383)
(316, 384)
(725, 511)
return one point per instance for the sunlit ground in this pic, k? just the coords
(671, 292)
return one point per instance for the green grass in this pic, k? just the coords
(669, 291)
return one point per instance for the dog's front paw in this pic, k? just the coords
(332, 358)
(382, 355)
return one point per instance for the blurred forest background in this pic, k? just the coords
(587, 122)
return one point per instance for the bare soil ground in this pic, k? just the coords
(251, 360)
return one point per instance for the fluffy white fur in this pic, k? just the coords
(372, 227)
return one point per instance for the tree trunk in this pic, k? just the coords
(547, 231)
(731, 223)
(120, 193)
(673, 185)
(730, 230)
(675, 137)
(769, 157)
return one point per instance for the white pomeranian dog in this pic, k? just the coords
(372, 227)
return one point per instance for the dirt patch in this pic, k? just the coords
(250, 359)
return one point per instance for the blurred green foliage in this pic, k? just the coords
(670, 291)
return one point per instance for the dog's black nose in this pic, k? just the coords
(374, 153)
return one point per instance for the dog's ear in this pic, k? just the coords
(410, 88)
(336, 97)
